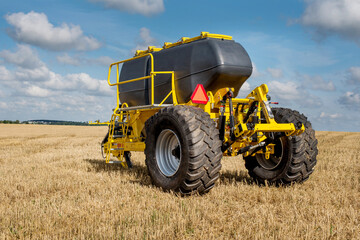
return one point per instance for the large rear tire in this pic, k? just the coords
(183, 150)
(294, 158)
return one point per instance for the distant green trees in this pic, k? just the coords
(46, 122)
(10, 122)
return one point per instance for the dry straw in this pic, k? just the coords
(54, 184)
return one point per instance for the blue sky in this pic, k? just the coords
(54, 55)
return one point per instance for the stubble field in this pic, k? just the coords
(55, 184)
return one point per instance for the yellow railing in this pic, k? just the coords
(152, 75)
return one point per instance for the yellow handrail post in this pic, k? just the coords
(152, 87)
(117, 89)
(173, 89)
(117, 72)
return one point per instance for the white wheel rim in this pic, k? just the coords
(168, 152)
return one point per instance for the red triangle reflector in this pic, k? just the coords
(199, 95)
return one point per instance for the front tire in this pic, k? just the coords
(294, 158)
(183, 150)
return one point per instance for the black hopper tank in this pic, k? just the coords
(214, 63)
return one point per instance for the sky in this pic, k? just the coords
(55, 55)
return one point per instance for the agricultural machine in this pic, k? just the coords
(177, 104)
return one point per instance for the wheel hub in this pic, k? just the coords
(168, 152)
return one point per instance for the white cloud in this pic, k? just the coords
(38, 80)
(35, 91)
(28, 65)
(70, 97)
(144, 7)
(5, 75)
(350, 99)
(275, 73)
(37, 74)
(84, 81)
(317, 83)
(329, 115)
(245, 86)
(255, 72)
(42, 82)
(286, 91)
(3, 105)
(292, 92)
(328, 17)
(146, 40)
(2, 94)
(79, 82)
(35, 29)
(103, 60)
(24, 57)
(58, 82)
(78, 60)
(66, 59)
(354, 77)
(244, 90)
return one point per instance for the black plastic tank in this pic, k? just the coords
(215, 63)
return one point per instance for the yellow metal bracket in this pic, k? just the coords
(97, 122)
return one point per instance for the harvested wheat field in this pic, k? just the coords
(54, 184)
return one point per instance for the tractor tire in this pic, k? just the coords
(183, 150)
(294, 158)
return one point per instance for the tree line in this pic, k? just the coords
(10, 122)
(46, 122)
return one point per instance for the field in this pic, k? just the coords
(54, 184)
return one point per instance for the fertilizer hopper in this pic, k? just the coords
(213, 62)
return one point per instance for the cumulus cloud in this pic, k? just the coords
(275, 73)
(244, 90)
(42, 82)
(354, 75)
(68, 60)
(145, 40)
(3, 105)
(35, 91)
(144, 7)
(285, 90)
(2, 94)
(294, 93)
(5, 74)
(36, 74)
(35, 29)
(37, 80)
(333, 17)
(24, 57)
(317, 83)
(350, 100)
(245, 86)
(37, 100)
(78, 60)
(79, 82)
(255, 72)
(102, 60)
(329, 115)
